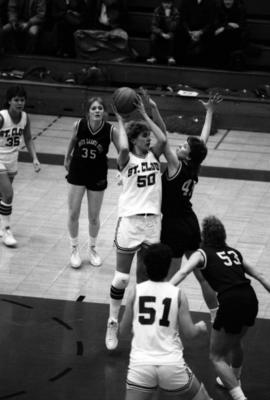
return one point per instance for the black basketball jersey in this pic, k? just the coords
(92, 147)
(177, 191)
(223, 268)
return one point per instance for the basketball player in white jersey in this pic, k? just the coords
(157, 312)
(14, 126)
(139, 209)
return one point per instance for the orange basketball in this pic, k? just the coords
(124, 99)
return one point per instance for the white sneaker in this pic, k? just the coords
(111, 339)
(171, 61)
(75, 259)
(221, 384)
(8, 238)
(94, 258)
(151, 60)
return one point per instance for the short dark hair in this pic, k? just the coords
(14, 91)
(213, 232)
(198, 149)
(134, 129)
(157, 260)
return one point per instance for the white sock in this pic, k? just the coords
(74, 241)
(237, 393)
(92, 241)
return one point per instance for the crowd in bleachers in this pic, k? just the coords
(199, 32)
(182, 31)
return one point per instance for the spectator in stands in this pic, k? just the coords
(68, 16)
(164, 25)
(3, 22)
(230, 34)
(198, 18)
(108, 14)
(25, 20)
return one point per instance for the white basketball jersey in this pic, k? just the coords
(141, 193)
(11, 134)
(156, 339)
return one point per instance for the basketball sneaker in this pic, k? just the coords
(171, 61)
(111, 339)
(8, 238)
(151, 60)
(94, 258)
(75, 259)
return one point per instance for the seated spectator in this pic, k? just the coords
(3, 22)
(164, 25)
(198, 18)
(105, 36)
(67, 17)
(108, 15)
(25, 20)
(230, 35)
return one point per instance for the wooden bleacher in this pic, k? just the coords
(258, 21)
(237, 111)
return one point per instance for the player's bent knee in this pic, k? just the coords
(119, 283)
(202, 394)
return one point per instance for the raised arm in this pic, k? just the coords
(157, 118)
(259, 276)
(169, 153)
(158, 133)
(195, 260)
(210, 106)
(187, 326)
(120, 140)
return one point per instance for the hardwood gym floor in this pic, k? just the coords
(53, 318)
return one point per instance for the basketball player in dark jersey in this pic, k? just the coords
(180, 227)
(224, 269)
(86, 163)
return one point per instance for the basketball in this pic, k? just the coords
(124, 99)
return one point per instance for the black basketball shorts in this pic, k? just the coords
(80, 176)
(181, 234)
(238, 308)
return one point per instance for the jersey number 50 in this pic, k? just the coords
(146, 180)
(148, 313)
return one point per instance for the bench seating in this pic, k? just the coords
(258, 19)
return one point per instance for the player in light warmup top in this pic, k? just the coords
(86, 163)
(14, 126)
(224, 268)
(139, 208)
(158, 314)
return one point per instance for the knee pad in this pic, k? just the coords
(119, 284)
(120, 280)
(5, 209)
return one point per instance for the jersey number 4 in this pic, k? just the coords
(148, 311)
